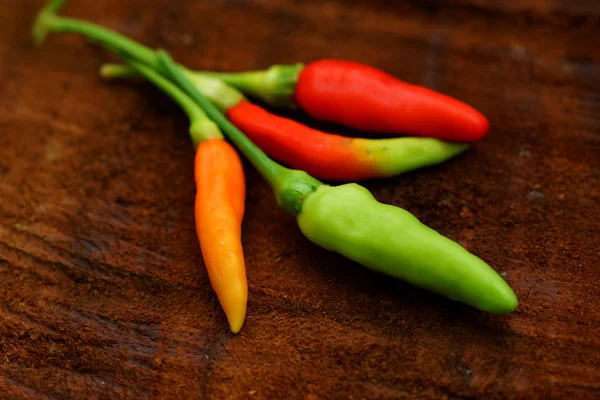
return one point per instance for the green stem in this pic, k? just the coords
(223, 95)
(275, 85)
(248, 81)
(267, 167)
(54, 23)
(219, 93)
(48, 21)
(113, 71)
(290, 186)
(52, 6)
(201, 127)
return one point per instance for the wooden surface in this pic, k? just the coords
(102, 288)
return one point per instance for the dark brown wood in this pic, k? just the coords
(103, 293)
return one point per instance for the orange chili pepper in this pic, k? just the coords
(219, 212)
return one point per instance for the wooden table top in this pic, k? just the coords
(103, 293)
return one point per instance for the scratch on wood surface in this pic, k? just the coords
(431, 68)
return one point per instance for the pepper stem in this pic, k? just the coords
(275, 85)
(219, 93)
(115, 71)
(224, 96)
(290, 186)
(49, 21)
(201, 127)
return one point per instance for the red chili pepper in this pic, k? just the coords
(362, 97)
(366, 98)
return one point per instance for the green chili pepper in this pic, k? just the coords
(348, 220)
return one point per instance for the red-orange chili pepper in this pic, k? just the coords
(335, 157)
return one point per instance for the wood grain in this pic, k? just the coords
(103, 293)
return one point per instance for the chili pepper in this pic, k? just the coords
(219, 212)
(362, 97)
(335, 157)
(326, 156)
(323, 155)
(348, 220)
(219, 205)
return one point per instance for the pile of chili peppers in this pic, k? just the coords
(345, 219)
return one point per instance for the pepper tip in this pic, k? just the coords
(505, 301)
(235, 323)
(481, 126)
